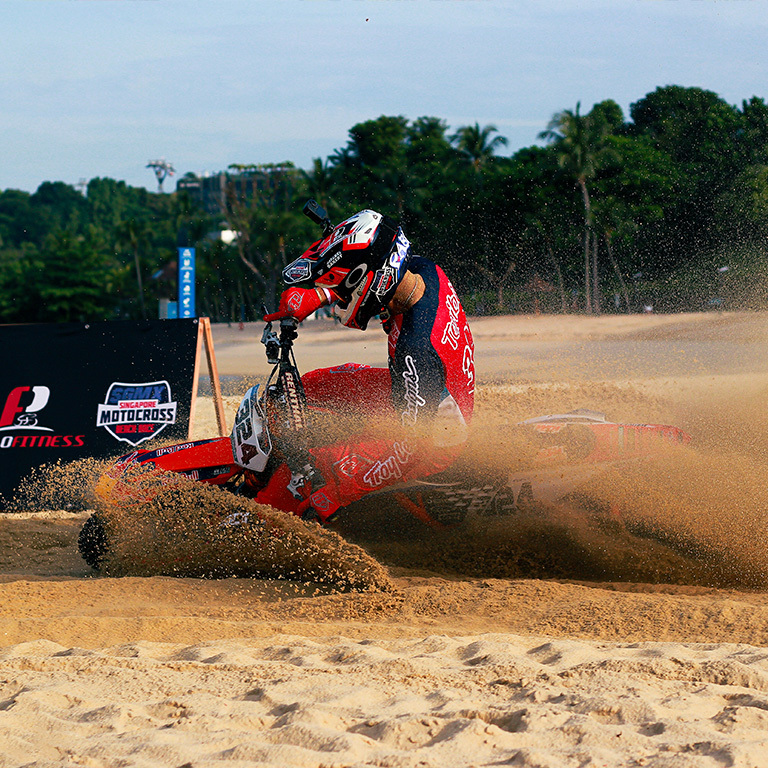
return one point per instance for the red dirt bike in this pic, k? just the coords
(274, 425)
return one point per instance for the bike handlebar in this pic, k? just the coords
(279, 347)
(289, 389)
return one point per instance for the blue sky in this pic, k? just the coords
(100, 87)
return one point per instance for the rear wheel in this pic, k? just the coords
(93, 541)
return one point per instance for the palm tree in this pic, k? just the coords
(476, 144)
(580, 143)
(612, 219)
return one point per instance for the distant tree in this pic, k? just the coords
(263, 206)
(742, 210)
(433, 185)
(61, 203)
(692, 125)
(70, 281)
(372, 170)
(580, 142)
(134, 236)
(109, 202)
(431, 163)
(428, 149)
(319, 182)
(702, 134)
(18, 220)
(478, 145)
(753, 134)
(550, 220)
(609, 114)
(18, 300)
(633, 192)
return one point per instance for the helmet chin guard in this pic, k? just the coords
(362, 261)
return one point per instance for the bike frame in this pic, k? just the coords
(285, 405)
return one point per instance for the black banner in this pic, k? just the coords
(71, 390)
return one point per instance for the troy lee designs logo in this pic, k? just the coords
(350, 465)
(390, 468)
(413, 400)
(134, 413)
(452, 332)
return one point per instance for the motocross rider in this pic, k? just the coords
(365, 268)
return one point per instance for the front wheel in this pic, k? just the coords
(93, 541)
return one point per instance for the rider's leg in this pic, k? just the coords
(276, 494)
(342, 389)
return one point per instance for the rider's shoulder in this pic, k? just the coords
(419, 264)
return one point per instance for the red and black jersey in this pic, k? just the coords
(427, 393)
(431, 352)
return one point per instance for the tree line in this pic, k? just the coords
(665, 208)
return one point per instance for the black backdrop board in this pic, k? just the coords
(71, 390)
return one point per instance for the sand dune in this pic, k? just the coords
(289, 700)
(557, 639)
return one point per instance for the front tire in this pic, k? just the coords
(93, 541)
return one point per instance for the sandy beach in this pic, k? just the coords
(559, 638)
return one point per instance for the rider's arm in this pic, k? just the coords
(301, 303)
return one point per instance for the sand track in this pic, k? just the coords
(457, 663)
(439, 671)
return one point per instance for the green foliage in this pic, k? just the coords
(66, 280)
(263, 205)
(476, 145)
(647, 207)
(65, 256)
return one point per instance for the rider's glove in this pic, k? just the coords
(321, 505)
(300, 303)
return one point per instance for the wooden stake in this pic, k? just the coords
(205, 336)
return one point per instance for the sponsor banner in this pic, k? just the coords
(186, 306)
(75, 390)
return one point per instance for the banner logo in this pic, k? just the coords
(134, 413)
(21, 408)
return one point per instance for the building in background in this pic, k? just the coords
(210, 190)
